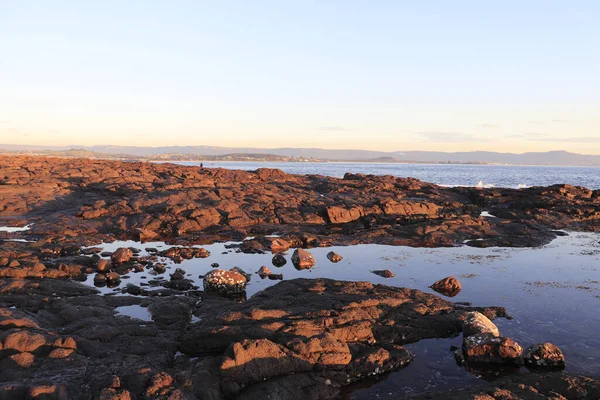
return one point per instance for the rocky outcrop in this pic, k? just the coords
(80, 199)
(317, 331)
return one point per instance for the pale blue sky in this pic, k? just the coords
(385, 75)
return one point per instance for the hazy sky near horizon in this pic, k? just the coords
(381, 75)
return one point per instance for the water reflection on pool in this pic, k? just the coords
(553, 293)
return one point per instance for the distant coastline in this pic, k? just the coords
(301, 155)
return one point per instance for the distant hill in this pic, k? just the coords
(288, 154)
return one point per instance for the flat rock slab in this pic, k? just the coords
(321, 330)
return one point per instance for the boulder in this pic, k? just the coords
(279, 260)
(489, 349)
(478, 324)
(303, 259)
(113, 277)
(264, 272)
(103, 265)
(546, 355)
(122, 255)
(449, 286)
(226, 282)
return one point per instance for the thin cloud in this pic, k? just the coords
(452, 137)
(5, 122)
(529, 136)
(13, 130)
(545, 137)
(333, 128)
(562, 121)
(537, 122)
(488, 126)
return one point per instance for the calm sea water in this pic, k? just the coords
(441, 174)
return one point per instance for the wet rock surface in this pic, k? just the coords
(299, 338)
(530, 386)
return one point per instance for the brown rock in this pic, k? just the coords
(449, 286)
(340, 215)
(334, 257)
(227, 282)
(478, 324)
(122, 255)
(103, 266)
(23, 360)
(24, 341)
(264, 272)
(60, 353)
(113, 277)
(490, 349)
(303, 259)
(545, 355)
(384, 273)
(279, 245)
(99, 279)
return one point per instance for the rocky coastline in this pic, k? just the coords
(300, 338)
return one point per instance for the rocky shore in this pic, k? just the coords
(302, 338)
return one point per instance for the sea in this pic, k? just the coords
(483, 175)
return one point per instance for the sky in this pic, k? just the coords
(397, 75)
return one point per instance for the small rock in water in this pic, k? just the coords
(546, 355)
(384, 273)
(122, 255)
(226, 282)
(334, 257)
(303, 259)
(449, 286)
(279, 260)
(459, 357)
(103, 265)
(100, 278)
(276, 277)
(489, 349)
(177, 275)
(215, 265)
(264, 272)
(113, 277)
